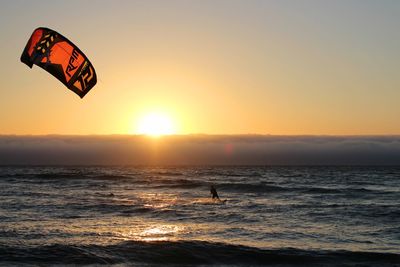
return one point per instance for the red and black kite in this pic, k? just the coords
(56, 54)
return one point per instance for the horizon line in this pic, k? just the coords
(199, 135)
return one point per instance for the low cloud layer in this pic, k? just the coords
(200, 150)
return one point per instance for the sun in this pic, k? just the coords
(155, 124)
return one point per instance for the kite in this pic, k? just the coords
(57, 55)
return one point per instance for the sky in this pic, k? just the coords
(214, 67)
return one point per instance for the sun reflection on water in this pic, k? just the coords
(157, 201)
(164, 232)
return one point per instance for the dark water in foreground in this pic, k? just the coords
(131, 216)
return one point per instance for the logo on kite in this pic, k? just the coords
(57, 55)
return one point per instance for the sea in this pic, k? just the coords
(165, 216)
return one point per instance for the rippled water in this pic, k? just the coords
(157, 216)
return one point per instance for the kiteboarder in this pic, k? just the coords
(214, 193)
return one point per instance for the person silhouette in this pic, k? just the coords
(214, 193)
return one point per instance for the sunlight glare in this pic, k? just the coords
(155, 124)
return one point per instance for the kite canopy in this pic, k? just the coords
(57, 55)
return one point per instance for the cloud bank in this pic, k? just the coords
(200, 150)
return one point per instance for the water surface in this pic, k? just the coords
(156, 216)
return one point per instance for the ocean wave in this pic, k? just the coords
(252, 188)
(177, 183)
(168, 173)
(162, 253)
(269, 188)
(70, 176)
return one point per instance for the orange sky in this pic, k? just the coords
(215, 67)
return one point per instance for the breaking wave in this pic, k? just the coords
(187, 253)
